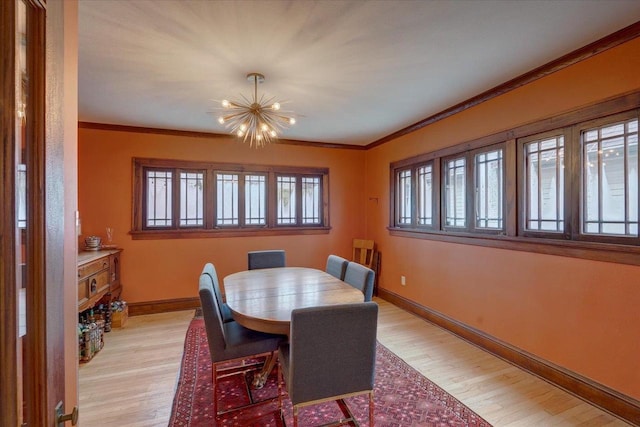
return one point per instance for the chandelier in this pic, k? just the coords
(255, 120)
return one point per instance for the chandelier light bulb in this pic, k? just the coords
(256, 119)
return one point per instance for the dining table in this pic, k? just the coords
(263, 299)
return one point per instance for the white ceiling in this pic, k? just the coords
(353, 71)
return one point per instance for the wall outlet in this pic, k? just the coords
(403, 281)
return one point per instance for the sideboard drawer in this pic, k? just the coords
(93, 267)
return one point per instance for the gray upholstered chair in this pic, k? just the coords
(231, 341)
(331, 355)
(225, 312)
(266, 259)
(336, 266)
(360, 277)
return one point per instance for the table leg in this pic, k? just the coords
(260, 379)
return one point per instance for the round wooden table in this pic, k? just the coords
(263, 299)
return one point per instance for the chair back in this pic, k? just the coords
(360, 277)
(332, 351)
(363, 252)
(212, 316)
(336, 266)
(211, 271)
(266, 259)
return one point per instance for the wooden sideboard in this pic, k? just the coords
(98, 275)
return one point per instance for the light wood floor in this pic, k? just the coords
(130, 383)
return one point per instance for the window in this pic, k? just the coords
(544, 188)
(405, 186)
(286, 201)
(197, 198)
(311, 197)
(610, 179)
(489, 190)
(415, 207)
(603, 182)
(159, 198)
(227, 199)
(425, 195)
(191, 197)
(255, 193)
(455, 178)
(566, 185)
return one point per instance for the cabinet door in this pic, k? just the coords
(114, 270)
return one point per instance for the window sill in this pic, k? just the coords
(605, 252)
(225, 232)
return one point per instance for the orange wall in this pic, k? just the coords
(579, 314)
(166, 269)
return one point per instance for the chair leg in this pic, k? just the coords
(215, 388)
(371, 406)
(280, 380)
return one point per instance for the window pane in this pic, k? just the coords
(544, 187)
(455, 193)
(227, 199)
(404, 197)
(191, 197)
(255, 199)
(286, 202)
(425, 195)
(311, 200)
(489, 189)
(159, 190)
(610, 179)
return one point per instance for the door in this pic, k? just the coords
(31, 221)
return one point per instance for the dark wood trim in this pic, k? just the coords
(612, 40)
(163, 306)
(9, 383)
(597, 394)
(208, 135)
(605, 252)
(43, 336)
(227, 232)
(140, 231)
(510, 188)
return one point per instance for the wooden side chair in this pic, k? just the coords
(331, 355)
(231, 341)
(361, 278)
(363, 251)
(266, 259)
(336, 266)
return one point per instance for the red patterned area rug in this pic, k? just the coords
(403, 396)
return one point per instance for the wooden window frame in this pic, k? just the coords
(471, 183)
(578, 185)
(571, 243)
(443, 191)
(210, 228)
